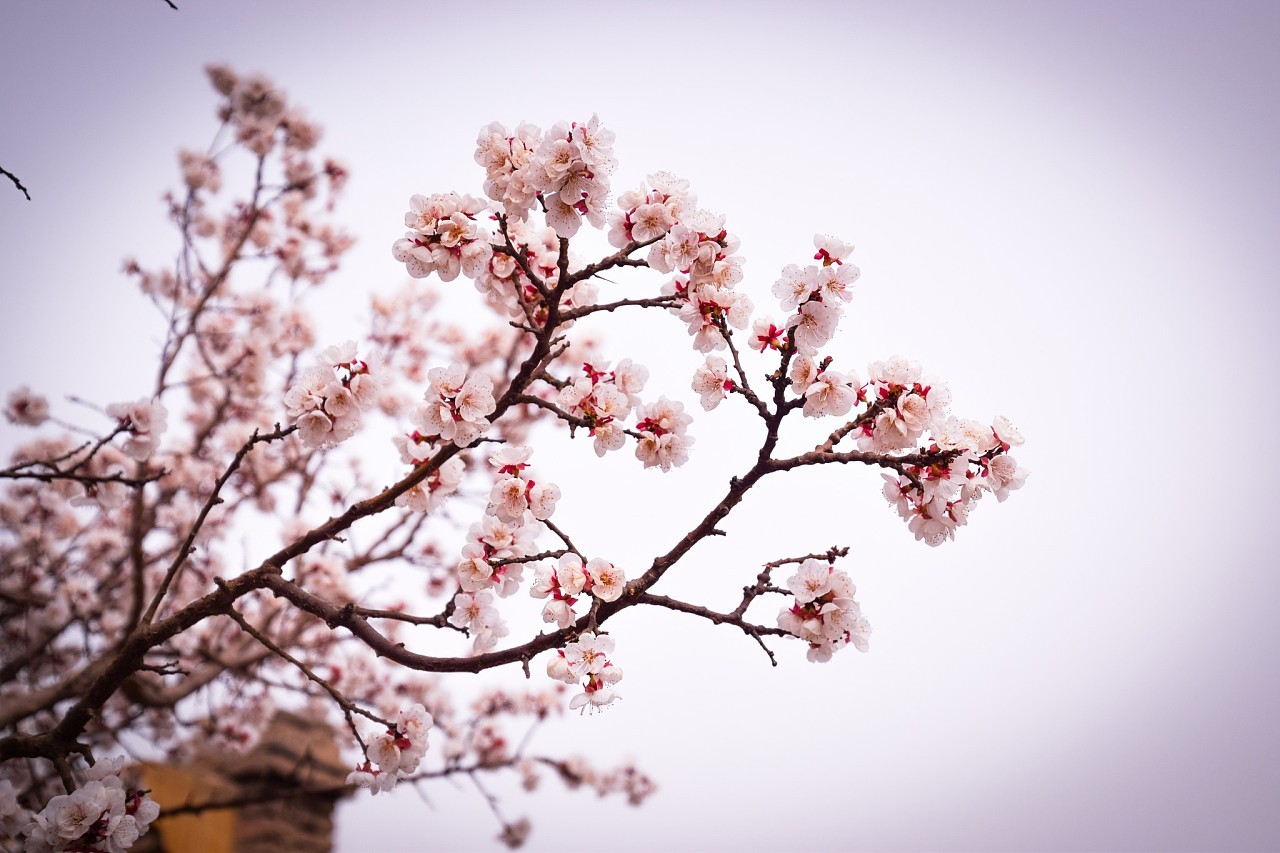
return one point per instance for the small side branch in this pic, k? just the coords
(651, 302)
(573, 421)
(902, 464)
(563, 537)
(84, 479)
(54, 465)
(756, 632)
(620, 258)
(440, 620)
(873, 411)
(743, 385)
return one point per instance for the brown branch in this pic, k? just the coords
(142, 691)
(573, 421)
(175, 339)
(651, 302)
(563, 537)
(18, 662)
(85, 479)
(620, 258)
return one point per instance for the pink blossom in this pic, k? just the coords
(607, 580)
(26, 408)
(712, 382)
(813, 325)
(831, 250)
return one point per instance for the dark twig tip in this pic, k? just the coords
(17, 183)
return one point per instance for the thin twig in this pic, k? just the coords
(17, 183)
(213, 500)
(349, 708)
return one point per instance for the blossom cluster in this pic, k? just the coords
(604, 398)
(567, 170)
(258, 109)
(457, 405)
(704, 257)
(586, 660)
(395, 753)
(516, 492)
(143, 422)
(25, 407)
(937, 499)
(327, 401)
(569, 579)
(494, 556)
(444, 237)
(103, 814)
(664, 439)
(824, 614)
(907, 405)
(645, 214)
(816, 294)
(264, 122)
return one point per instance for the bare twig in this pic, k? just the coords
(752, 630)
(17, 183)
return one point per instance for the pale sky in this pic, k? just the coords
(1068, 211)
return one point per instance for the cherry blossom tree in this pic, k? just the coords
(205, 557)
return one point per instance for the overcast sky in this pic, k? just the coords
(1066, 210)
